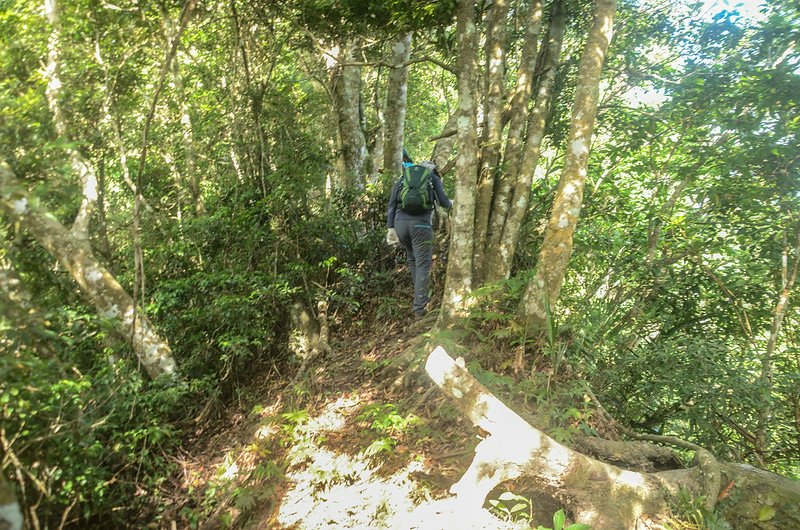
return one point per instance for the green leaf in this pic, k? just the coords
(766, 513)
(559, 518)
(578, 526)
(508, 496)
(519, 507)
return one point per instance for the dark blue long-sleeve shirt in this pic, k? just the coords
(393, 212)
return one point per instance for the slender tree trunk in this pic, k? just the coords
(556, 249)
(192, 176)
(111, 123)
(378, 139)
(255, 94)
(666, 209)
(102, 223)
(493, 129)
(396, 91)
(172, 48)
(459, 265)
(346, 82)
(788, 278)
(97, 284)
(443, 146)
(511, 203)
(81, 167)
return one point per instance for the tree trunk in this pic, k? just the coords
(191, 179)
(378, 138)
(10, 514)
(556, 249)
(493, 129)
(81, 167)
(511, 202)
(459, 265)
(97, 284)
(596, 493)
(666, 209)
(395, 115)
(255, 96)
(113, 126)
(192, 176)
(444, 143)
(788, 278)
(346, 83)
(102, 221)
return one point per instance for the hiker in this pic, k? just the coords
(408, 218)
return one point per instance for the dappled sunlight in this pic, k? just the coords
(344, 487)
(557, 457)
(340, 491)
(336, 490)
(631, 479)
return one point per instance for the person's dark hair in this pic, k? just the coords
(407, 157)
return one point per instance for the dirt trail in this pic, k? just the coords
(340, 449)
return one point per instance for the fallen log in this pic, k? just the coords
(594, 492)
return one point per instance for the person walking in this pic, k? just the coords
(408, 221)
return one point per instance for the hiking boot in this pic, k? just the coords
(419, 314)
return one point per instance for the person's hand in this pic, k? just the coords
(391, 237)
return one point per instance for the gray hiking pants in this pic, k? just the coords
(417, 237)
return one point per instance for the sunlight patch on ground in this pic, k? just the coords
(333, 490)
(339, 491)
(330, 490)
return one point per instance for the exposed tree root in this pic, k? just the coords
(703, 459)
(594, 492)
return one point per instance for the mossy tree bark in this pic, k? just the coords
(395, 113)
(80, 166)
(522, 155)
(492, 138)
(555, 252)
(513, 129)
(459, 266)
(789, 269)
(346, 91)
(96, 282)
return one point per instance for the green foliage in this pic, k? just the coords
(560, 519)
(512, 507)
(80, 428)
(386, 421)
(689, 513)
(674, 335)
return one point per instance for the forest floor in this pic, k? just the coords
(341, 448)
